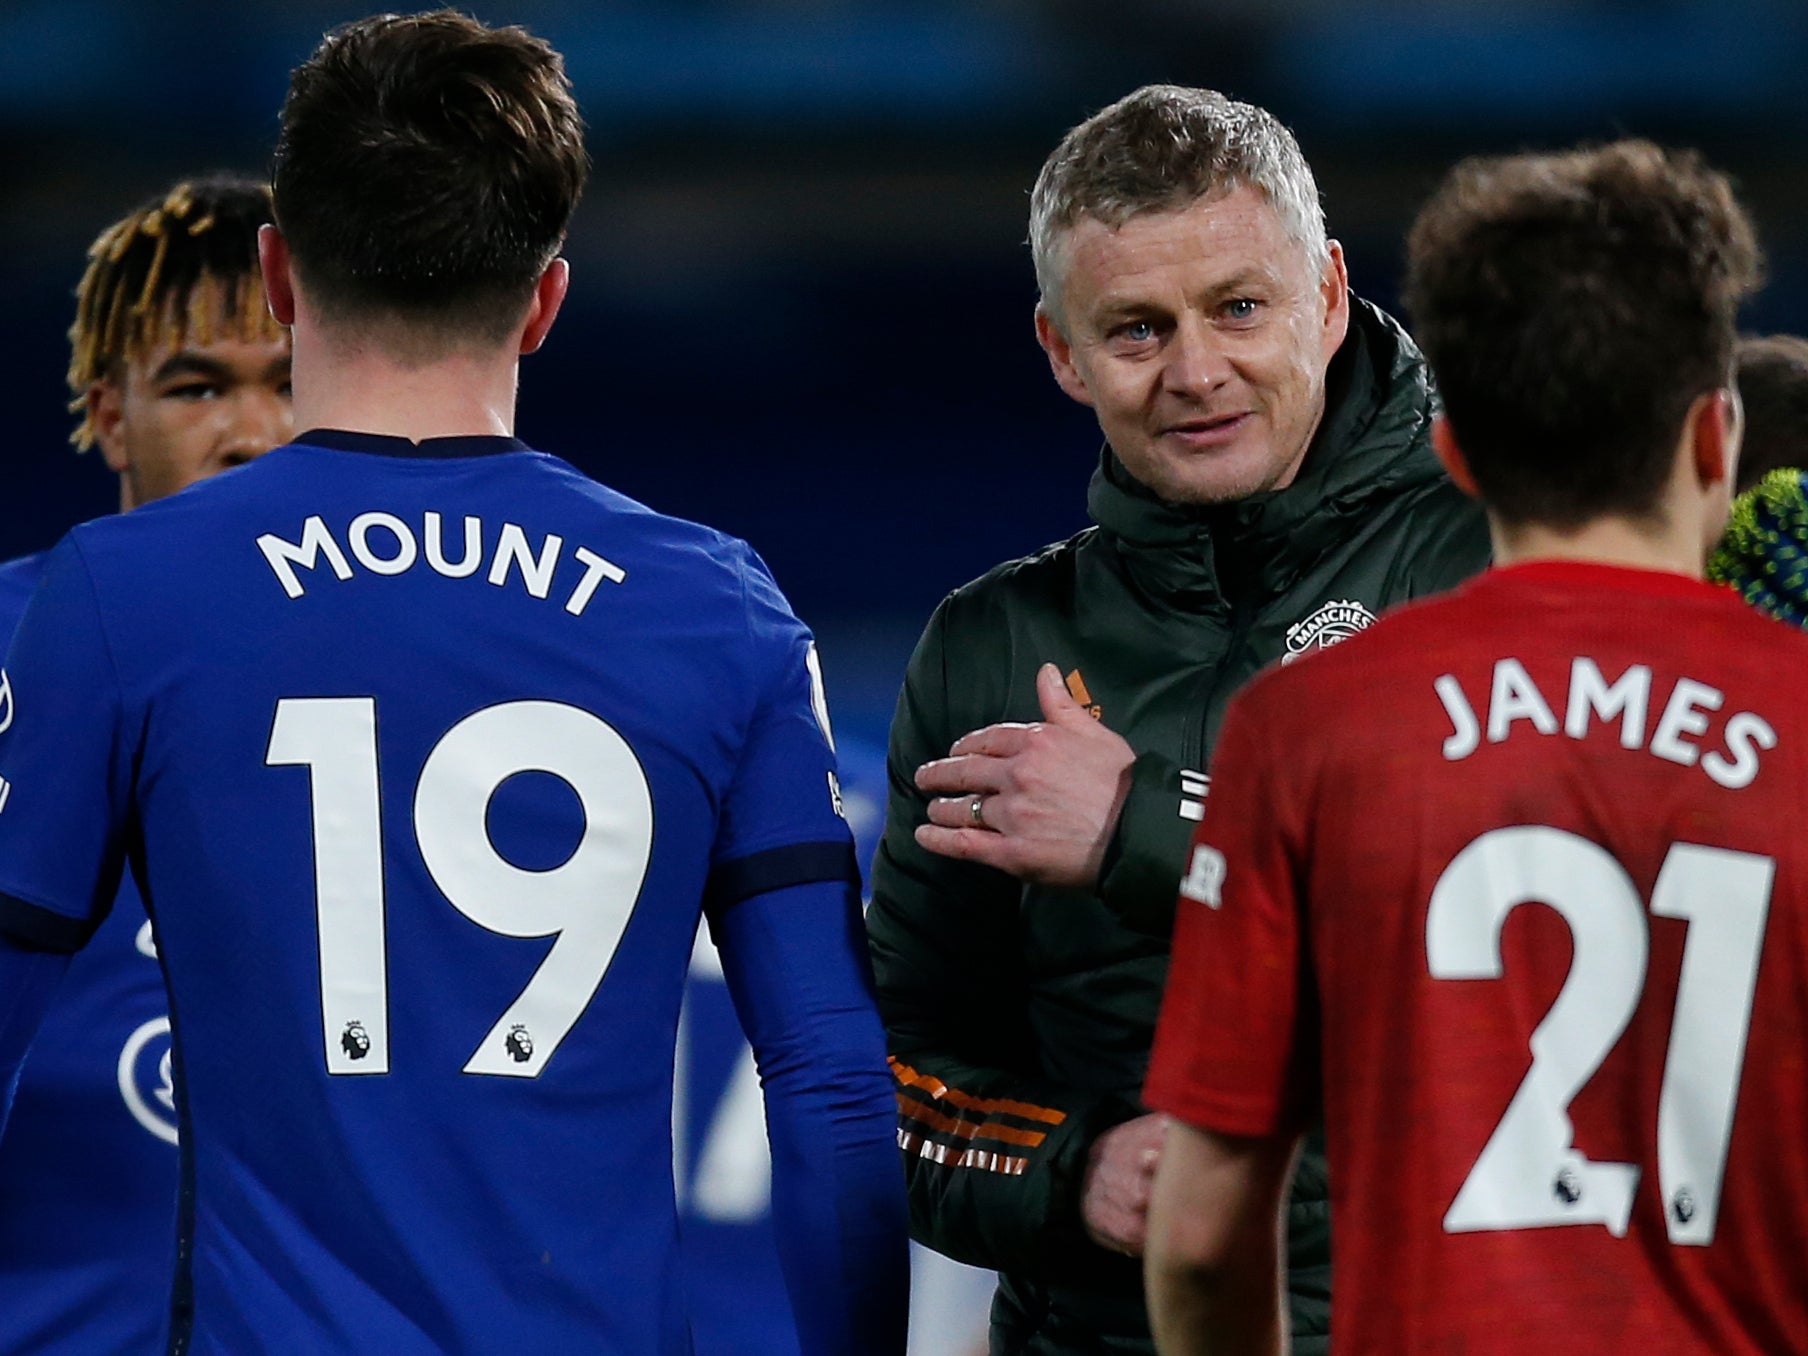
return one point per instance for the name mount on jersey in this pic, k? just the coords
(385, 545)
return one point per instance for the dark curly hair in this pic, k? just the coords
(1573, 307)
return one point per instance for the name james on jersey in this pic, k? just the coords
(397, 549)
(1513, 696)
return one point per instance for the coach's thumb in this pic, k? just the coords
(1058, 704)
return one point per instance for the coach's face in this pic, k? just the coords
(1201, 338)
(190, 410)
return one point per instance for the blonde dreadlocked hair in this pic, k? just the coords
(182, 267)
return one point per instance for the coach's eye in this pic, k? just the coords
(1242, 308)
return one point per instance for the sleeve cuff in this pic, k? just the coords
(778, 869)
(36, 928)
(1140, 876)
(1237, 1116)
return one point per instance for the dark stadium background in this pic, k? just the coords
(801, 302)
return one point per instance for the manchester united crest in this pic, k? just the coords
(1324, 628)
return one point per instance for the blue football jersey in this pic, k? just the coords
(88, 1163)
(427, 760)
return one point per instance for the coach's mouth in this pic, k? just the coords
(1208, 433)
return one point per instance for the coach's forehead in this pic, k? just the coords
(1217, 241)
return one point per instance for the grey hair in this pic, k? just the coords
(1162, 148)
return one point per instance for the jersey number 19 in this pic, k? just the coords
(585, 901)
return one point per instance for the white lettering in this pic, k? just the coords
(513, 551)
(316, 541)
(596, 569)
(1516, 697)
(6, 702)
(1745, 735)
(819, 696)
(359, 536)
(436, 550)
(512, 548)
(1467, 734)
(1629, 698)
(1204, 882)
(1683, 715)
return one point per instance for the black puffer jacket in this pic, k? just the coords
(1020, 1018)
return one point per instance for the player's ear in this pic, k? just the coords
(279, 286)
(1716, 427)
(1060, 356)
(1450, 456)
(549, 296)
(106, 416)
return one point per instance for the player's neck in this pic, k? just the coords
(366, 391)
(1602, 541)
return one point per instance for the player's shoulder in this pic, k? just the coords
(710, 547)
(18, 577)
(688, 562)
(1771, 652)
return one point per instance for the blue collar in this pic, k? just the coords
(387, 445)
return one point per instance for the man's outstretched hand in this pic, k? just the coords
(1050, 792)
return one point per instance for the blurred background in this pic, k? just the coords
(801, 302)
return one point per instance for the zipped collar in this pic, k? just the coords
(1371, 444)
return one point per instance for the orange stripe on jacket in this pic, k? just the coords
(949, 1125)
(985, 1106)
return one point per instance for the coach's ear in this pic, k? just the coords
(1456, 465)
(279, 287)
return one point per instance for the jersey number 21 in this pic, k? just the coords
(1530, 1174)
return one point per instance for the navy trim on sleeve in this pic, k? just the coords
(36, 928)
(778, 869)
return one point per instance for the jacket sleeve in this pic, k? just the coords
(1140, 878)
(994, 1149)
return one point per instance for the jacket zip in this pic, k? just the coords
(1242, 617)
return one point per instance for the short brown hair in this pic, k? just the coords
(427, 169)
(1573, 307)
(1162, 148)
(170, 271)
(1773, 382)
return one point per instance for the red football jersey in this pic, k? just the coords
(1519, 878)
